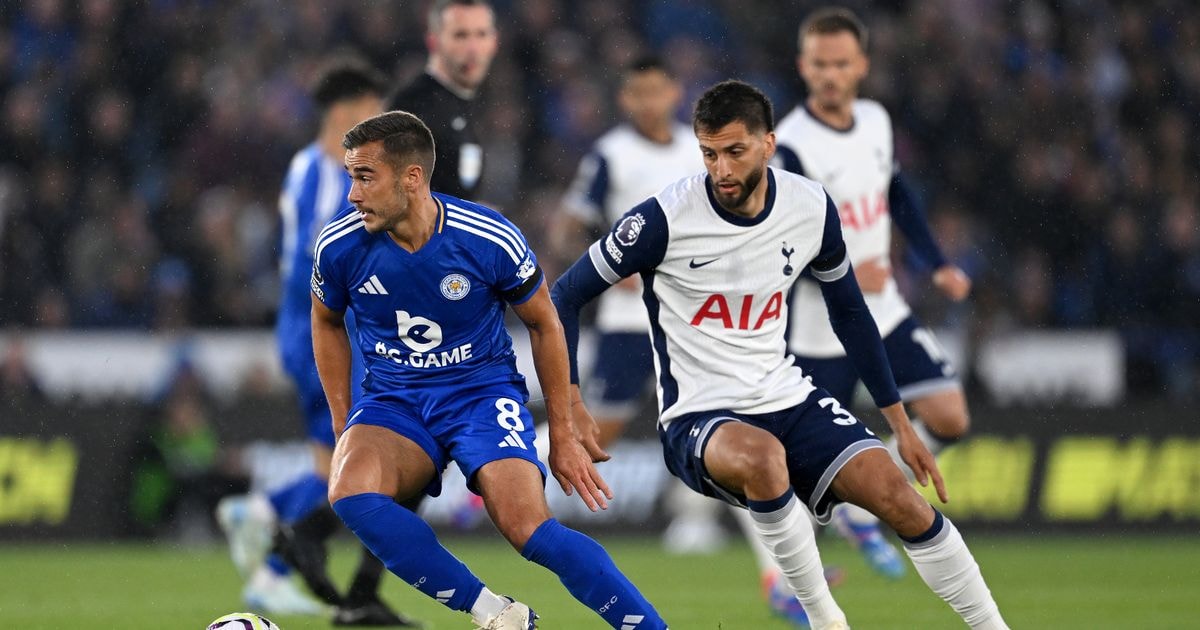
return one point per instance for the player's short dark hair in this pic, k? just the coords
(731, 101)
(346, 77)
(831, 20)
(433, 20)
(406, 139)
(647, 63)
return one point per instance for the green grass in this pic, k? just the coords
(1040, 582)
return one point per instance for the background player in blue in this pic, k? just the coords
(738, 420)
(845, 143)
(429, 277)
(346, 91)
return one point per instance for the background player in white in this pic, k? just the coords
(429, 278)
(626, 165)
(845, 143)
(346, 91)
(738, 420)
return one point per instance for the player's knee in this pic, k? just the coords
(903, 509)
(947, 419)
(517, 526)
(764, 466)
(948, 425)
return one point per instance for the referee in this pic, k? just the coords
(462, 42)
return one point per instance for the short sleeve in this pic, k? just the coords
(637, 242)
(327, 284)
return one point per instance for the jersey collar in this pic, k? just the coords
(736, 219)
(817, 119)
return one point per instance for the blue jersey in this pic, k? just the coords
(314, 191)
(433, 317)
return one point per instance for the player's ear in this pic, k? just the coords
(769, 142)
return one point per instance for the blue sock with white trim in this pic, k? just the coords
(409, 548)
(590, 575)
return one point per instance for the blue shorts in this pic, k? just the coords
(623, 366)
(471, 425)
(918, 362)
(318, 423)
(818, 435)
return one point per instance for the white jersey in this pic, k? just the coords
(717, 286)
(856, 167)
(624, 169)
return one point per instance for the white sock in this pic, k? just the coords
(948, 567)
(487, 606)
(788, 535)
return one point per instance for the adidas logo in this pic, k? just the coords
(513, 439)
(373, 286)
(631, 621)
(444, 596)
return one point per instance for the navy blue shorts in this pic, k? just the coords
(818, 435)
(919, 364)
(470, 425)
(623, 366)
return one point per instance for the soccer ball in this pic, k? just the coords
(242, 621)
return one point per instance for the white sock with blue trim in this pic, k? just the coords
(947, 566)
(783, 527)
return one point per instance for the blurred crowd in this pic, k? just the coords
(143, 143)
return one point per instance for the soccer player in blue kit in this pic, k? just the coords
(718, 253)
(428, 278)
(346, 91)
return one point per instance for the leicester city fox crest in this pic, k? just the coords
(455, 286)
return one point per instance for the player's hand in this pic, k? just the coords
(588, 432)
(921, 461)
(873, 275)
(952, 281)
(572, 467)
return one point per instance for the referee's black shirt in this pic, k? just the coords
(450, 117)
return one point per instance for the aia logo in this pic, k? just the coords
(717, 307)
(863, 214)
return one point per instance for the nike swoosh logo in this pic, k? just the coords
(695, 265)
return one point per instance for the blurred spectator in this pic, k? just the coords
(138, 170)
(17, 383)
(180, 472)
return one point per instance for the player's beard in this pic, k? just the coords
(749, 185)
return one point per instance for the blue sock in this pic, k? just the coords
(409, 548)
(277, 565)
(297, 499)
(590, 576)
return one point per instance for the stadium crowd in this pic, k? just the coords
(142, 145)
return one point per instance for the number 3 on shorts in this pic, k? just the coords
(844, 418)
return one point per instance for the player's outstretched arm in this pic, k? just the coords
(331, 348)
(570, 461)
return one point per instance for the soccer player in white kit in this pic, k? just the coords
(629, 163)
(717, 254)
(845, 143)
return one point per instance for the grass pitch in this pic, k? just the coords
(1040, 582)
